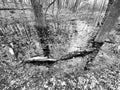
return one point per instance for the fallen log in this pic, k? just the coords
(40, 61)
(38, 58)
(48, 62)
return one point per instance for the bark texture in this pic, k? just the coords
(40, 26)
(110, 21)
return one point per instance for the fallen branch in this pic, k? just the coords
(38, 58)
(76, 54)
(15, 9)
(48, 62)
(40, 61)
(43, 61)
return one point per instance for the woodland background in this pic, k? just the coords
(57, 29)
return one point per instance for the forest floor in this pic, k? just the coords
(102, 72)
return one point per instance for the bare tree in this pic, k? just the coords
(110, 20)
(41, 27)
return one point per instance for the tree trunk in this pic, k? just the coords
(110, 21)
(40, 26)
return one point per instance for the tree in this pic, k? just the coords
(41, 27)
(110, 20)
